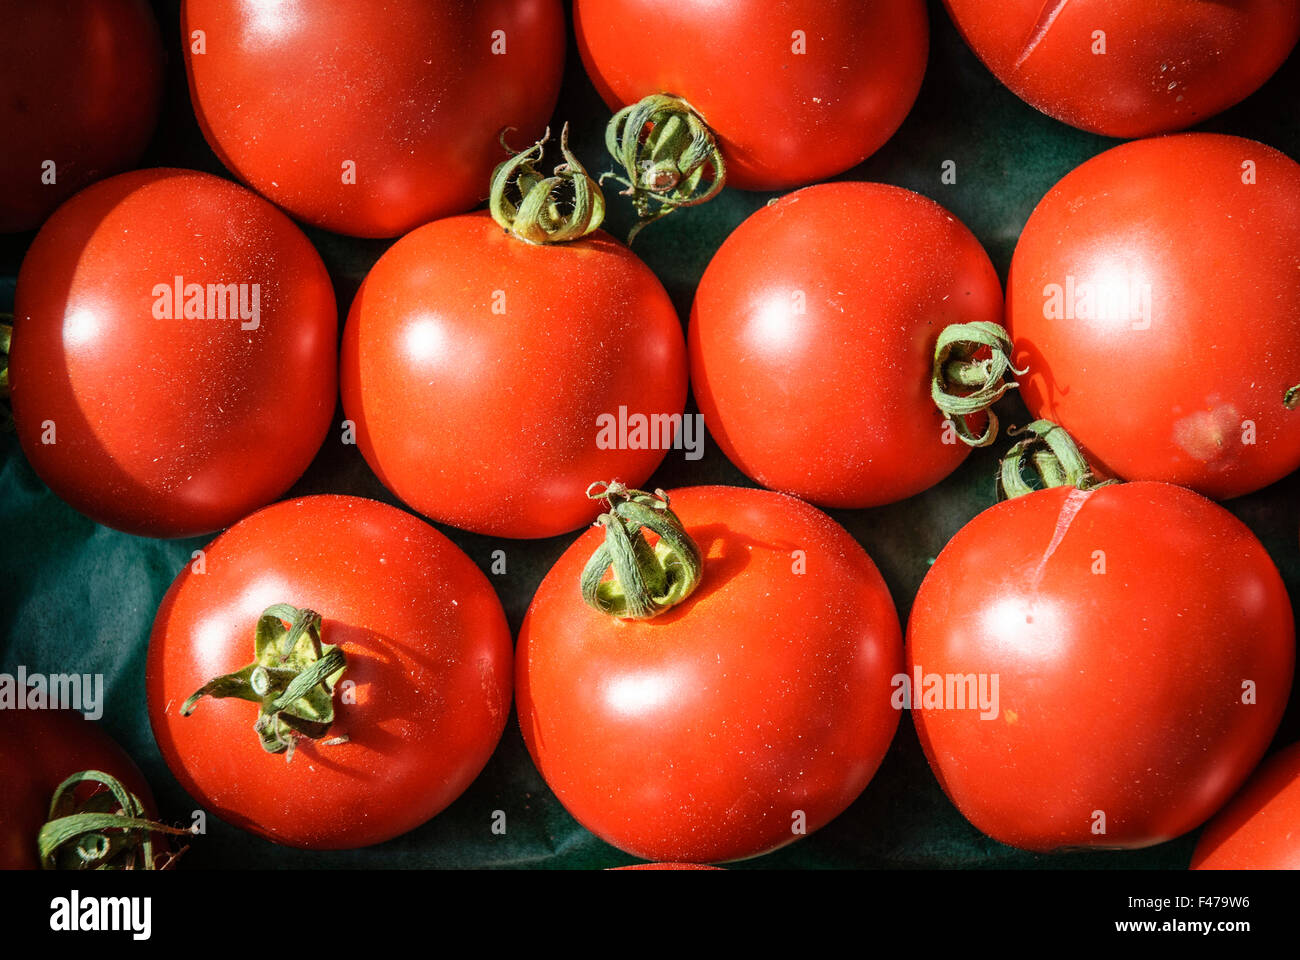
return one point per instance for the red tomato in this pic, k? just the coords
(476, 366)
(667, 866)
(812, 341)
(1143, 645)
(795, 92)
(371, 118)
(39, 749)
(134, 408)
(1130, 68)
(80, 84)
(701, 734)
(1260, 828)
(422, 700)
(1143, 296)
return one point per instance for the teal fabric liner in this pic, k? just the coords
(77, 596)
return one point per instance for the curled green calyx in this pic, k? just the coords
(292, 679)
(1291, 399)
(669, 157)
(646, 580)
(539, 209)
(1052, 456)
(972, 364)
(109, 830)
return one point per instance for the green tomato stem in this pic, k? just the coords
(646, 580)
(1053, 456)
(109, 831)
(670, 157)
(291, 679)
(963, 383)
(532, 207)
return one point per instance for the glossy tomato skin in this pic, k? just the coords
(39, 749)
(1190, 389)
(695, 736)
(1167, 64)
(667, 866)
(1123, 626)
(80, 85)
(171, 427)
(812, 341)
(428, 654)
(1260, 828)
(782, 117)
(413, 93)
(476, 366)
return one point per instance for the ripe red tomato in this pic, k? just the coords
(168, 415)
(667, 866)
(1130, 68)
(1143, 297)
(80, 84)
(476, 366)
(1143, 645)
(795, 92)
(813, 334)
(421, 702)
(757, 705)
(371, 119)
(1260, 828)
(39, 749)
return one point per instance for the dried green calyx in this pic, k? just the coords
(291, 679)
(646, 580)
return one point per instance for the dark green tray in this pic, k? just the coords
(77, 596)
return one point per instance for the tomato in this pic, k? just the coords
(1144, 299)
(755, 708)
(1130, 68)
(169, 414)
(667, 866)
(481, 373)
(1260, 828)
(1142, 644)
(794, 92)
(421, 701)
(813, 334)
(80, 86)
(371, 119)
(39, 749)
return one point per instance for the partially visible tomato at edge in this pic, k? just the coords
(795, 92)
(1150, 297)
(1259, 829)
(39, 749)
(1130, 68)
(80, 86)
(165, 415)
(370, 118)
